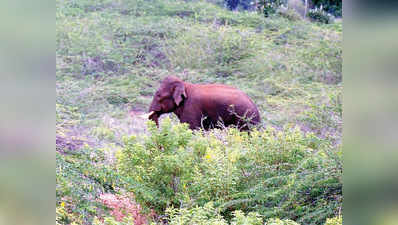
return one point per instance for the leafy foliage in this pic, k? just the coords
(209, 215)
(334, 7)
(82, 177)
(319, 15)
(338, 220)
(269, 7)
(205, 215)
(280, 222)
(278, 174)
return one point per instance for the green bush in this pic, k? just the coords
(269, 7)
(338, 220)
(81, 177)
(208, 215)
(161, 165)
(251, 218)
(280, 222)
(277, 173)
(319, 15)
(334, 7)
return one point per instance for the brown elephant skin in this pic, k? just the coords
(204, 105)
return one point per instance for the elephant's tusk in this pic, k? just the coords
(151, 113)
(147, 115)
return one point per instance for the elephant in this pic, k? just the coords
(204, 105)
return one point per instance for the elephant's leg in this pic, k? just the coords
(193, 121)
(194, 126)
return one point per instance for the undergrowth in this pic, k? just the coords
(281, 174)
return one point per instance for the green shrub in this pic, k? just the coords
(208, 215)
(277, 173)
(251, 218)
(338, 220)
(319, 15)
(161, 165)
(280, 222)
(81, 177)
(334, 7)
(269, 7)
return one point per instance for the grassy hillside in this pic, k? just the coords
(111, 56)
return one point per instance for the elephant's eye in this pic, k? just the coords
(160, 96)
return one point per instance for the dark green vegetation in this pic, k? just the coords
(334, 7)
(111, 56)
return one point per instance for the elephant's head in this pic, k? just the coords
(168, 97)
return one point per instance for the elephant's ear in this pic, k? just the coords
(179, 91)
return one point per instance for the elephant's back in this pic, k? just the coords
(221, 94)
(224, 101)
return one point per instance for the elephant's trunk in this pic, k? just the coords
(154, 112)
(154, 117)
